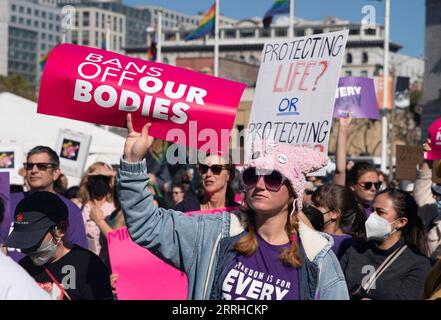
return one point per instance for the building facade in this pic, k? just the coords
(431, 100)
(28, 30)
(98, 28)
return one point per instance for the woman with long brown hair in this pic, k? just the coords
(264, 251)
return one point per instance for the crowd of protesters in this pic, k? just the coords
(350, 235)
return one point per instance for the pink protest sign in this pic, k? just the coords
(142, 275)
(101, 87)
(435, 136)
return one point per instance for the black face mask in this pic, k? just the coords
(98, 186)
(315, 216)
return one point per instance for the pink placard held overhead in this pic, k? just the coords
(435, 137)
(142, 275)
(101, 87)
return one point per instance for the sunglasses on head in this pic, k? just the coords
(368, 185)
(216, 168)
(273, 181)
(42, 166)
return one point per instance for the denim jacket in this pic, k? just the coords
(200, 245)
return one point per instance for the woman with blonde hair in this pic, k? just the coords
(263, 251)
(96, 193)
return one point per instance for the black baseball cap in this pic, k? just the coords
(33, 217)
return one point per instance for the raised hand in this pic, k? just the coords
(137, 144)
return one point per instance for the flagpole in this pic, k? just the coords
(216, 40)
(108, 34)
(385, 87)
(159, 37)
(291, 19)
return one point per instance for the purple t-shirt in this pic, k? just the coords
(261, 276)
(341, 243)
(76, 232)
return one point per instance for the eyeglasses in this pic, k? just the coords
(177, 192)
(42, 166)
(368, 185)
(273, 181)
(216, 168)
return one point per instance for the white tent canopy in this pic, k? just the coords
(20, 123)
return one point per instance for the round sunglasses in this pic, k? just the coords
(273, 181)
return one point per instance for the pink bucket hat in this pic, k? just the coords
(293, 162)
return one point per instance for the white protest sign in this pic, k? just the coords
(11, 160)
(73, 149)
(295, 92)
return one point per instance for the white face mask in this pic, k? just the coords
(44, 253)
(378, 228)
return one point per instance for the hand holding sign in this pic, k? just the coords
(137, 144)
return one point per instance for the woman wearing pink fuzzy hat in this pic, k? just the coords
(262, 251)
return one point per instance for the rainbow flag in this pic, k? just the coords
(278, 7)
(43, 59)
(45, 56)
(152, 50)
(104, 42)
(206, 25)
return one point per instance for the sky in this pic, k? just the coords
(407, 16)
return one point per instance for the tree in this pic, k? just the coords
(18, 85)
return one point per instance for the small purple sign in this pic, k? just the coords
(5, 198)
(356, 96)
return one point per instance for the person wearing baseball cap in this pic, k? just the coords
(263, 251)
(40, 226)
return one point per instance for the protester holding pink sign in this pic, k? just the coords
(268, 236)
(435, 137)
(101, 87)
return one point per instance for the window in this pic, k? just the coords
(97, 19)
(365, 57)
(43, 35)
(115, 24)
(51, 16)
(51, 26)
(348, 73)
(29, 11)
(28, 22)
(14, 7)
(43, 47)
(281, 32)
(86, 18)
(36, 24)
(349, 58)
(51, 37)
(364, 73)
(13, 18)
(21, 9)
(265, 33)
(43, 25)
(317, 31)
(37, 13)
(370, 32)
(43, 14)
(247, 33)
(299, 32)
(354, 32)
(121, 25)
(20, 20)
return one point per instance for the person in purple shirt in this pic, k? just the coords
(42, 169)
(335, 211)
